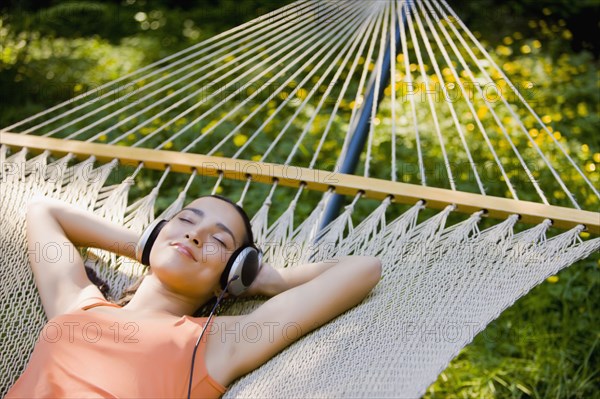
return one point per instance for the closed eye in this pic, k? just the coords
(220, 242)
(185, 220)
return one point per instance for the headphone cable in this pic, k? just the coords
(212, 312)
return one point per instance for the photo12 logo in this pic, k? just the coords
(90, 332)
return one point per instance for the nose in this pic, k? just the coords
(192, 239)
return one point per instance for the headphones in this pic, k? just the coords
(244, 262)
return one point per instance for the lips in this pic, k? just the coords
(184, 250)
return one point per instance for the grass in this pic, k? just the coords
(544, 346)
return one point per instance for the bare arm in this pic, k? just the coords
(323, 291)
(273, 281)
(54, 230)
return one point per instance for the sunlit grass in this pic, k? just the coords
(544, 346)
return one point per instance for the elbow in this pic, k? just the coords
(370, 273)
(375, 269)
(39, 202)
(41, 211)
(371, 269)
(36, 207)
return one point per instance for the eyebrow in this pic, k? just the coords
(220, 225)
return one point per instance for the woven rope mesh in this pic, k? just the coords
(441, 285)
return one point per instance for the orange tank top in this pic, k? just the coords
(95, 355)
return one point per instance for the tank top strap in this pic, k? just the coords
(92, 302)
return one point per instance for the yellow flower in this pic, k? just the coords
(481, 112)
(503, 50)
(240, 139)
(552, 279)
(582, 109)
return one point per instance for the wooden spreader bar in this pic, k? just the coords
(314, 179)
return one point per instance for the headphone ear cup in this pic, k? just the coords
(146, 241)
(244, 263)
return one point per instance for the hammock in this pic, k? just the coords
(385, 88)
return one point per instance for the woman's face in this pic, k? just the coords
(193, 248)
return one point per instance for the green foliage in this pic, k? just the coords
(546, 344)
(50, 54)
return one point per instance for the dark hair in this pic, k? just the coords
(128, 293)
(101, 284)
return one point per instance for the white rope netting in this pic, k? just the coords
(441, 284)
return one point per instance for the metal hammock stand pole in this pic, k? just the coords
(360, 131)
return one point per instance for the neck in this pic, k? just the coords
(154, 297)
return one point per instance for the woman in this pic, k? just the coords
(93, 348)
